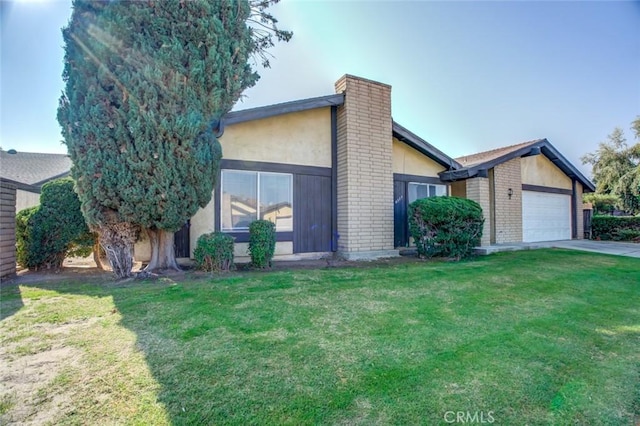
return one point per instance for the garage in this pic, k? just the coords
(545, 216)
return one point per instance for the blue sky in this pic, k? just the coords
(466, 76)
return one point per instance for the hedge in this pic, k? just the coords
(445, 226)
(617, 228)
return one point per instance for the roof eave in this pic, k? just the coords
(21, 185)
(543, 146)
(405, 135)
(569, 169)
(49, 179)
(258, 113)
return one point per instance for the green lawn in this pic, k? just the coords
(533, 337)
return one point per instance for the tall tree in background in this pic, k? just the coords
(616, 168)
(146, 86)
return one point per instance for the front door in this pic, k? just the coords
(181, 241)
(400, 224)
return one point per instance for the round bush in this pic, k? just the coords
(55, 229)
(445, 226)
(214, 252)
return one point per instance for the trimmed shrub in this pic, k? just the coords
(618, 228)
(628, 235)
(23, 235)
(445, 226)
(48, 233)
(214, 252)
(262, 243)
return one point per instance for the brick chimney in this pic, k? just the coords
(365, 174)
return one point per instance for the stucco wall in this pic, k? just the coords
(142, 249)
(202, 222)
(26, 199)
(409, 161)
(302, 138)
(539, 170)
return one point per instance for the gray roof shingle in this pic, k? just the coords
(33, 168)
(482, 157)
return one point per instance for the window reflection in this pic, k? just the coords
(417, 191)
(247, 196)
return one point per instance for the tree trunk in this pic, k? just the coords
(163, 255)
(96, 255)
(118, 239)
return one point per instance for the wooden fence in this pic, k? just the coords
(7, 228)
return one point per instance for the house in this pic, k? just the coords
(327, 170)
(29, 171)
(336, 174)
(528, 192)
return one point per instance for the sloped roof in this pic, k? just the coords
(478, 164)
(282, 108)
(404, 135)
(482, 157)
(33, 168)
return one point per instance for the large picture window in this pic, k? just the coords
(424, 190)
(247, 196)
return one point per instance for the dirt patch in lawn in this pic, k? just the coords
(85, 269)
(29, 369)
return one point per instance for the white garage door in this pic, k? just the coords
(545, 216)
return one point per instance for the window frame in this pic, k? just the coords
(435, 185)
(257, 174)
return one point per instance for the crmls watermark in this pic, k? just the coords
(479, 417)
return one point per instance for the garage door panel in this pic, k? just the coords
(545, 216)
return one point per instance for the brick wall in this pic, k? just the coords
(478, 191)
(365, 174)
(508, 211)
(7, 228)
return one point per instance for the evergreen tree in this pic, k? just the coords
(146, 86)
(616, 168)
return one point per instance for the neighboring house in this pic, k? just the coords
(528, 192)
(336, 174)
(29, 171)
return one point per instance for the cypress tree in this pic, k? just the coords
(146, 85)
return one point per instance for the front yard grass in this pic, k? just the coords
(535, 337)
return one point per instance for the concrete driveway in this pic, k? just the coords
(605, 247)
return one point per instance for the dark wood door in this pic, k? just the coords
(586, 222)
(181, 243)
(311, 214)
(400, 220)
